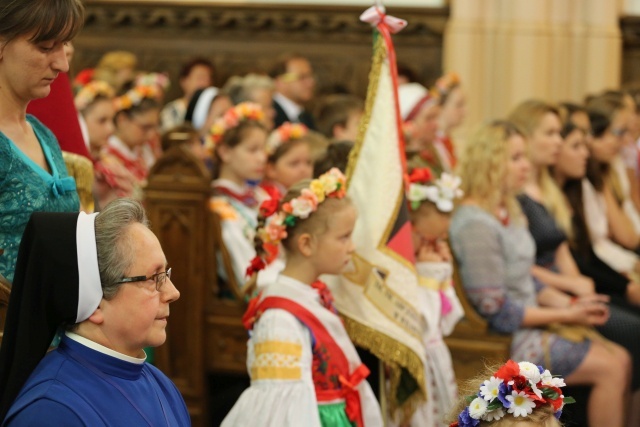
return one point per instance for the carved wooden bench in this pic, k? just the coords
(205, 333)
(472, 344)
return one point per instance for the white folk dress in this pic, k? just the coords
(281, 366)
(238, 223)
(442, 311)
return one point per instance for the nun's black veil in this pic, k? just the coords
(44, 295)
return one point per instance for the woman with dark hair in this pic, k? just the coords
(33, 176)
(589, 226)
(194, 75)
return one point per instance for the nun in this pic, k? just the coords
(102, 280)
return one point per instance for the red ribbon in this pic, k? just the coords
(384, 30)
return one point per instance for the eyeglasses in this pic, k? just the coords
(159, 278)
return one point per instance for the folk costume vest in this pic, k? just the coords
(337, 370)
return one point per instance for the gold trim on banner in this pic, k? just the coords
(396, 356)
(379, 55)
(382, 245)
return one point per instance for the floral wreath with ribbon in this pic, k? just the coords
(89, 92)
(446, 83)
(274, 218)
(160, 80)
(135, 96)
(442, 192)
(287, 132)
(516, 389)
(231, 119)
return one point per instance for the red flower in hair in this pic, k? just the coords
(268, 208)
(256, 265)
(508, 371)
(420, 175)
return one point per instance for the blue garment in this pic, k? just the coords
(75, 385)
(25, 188)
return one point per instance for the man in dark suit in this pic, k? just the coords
(295, 84)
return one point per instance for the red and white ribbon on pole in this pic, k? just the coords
(387, 25)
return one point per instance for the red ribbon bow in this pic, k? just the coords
(268, 208)
(351, 395)
(256, 265)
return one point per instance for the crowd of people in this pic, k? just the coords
(539, 211)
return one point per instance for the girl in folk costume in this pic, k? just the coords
(453, 111)
(304, 369)
(137, 119)
(289, 158)
(238, 142)
(420, 111)
(430, 206)
(96, 111)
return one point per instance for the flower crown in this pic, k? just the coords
(231, 119)
(89, 92)
(517, 389)
(331, 184)
(442, 192)
(288, 132)
(135, 96)
(447, 82)
(160, 80)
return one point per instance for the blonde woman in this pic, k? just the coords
(495, 252)
(549, 219)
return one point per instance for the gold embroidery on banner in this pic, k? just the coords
(379, 55)
(392, 305)
(396, 356)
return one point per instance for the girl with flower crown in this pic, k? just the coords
(237, 141)
(136, 123)
(289, 158)
(96, 111)
(304, 369)
(453, 111)
(512, 395)
(431, 200)
(495, 253)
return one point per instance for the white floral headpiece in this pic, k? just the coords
(442, 192)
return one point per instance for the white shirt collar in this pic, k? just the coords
(291, 109)
(104, 350)
(122, 148)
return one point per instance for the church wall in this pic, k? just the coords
(240, 38)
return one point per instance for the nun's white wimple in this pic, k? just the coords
(203, 105)
(89, 287)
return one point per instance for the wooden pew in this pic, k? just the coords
(205, 333)
(472, 344)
